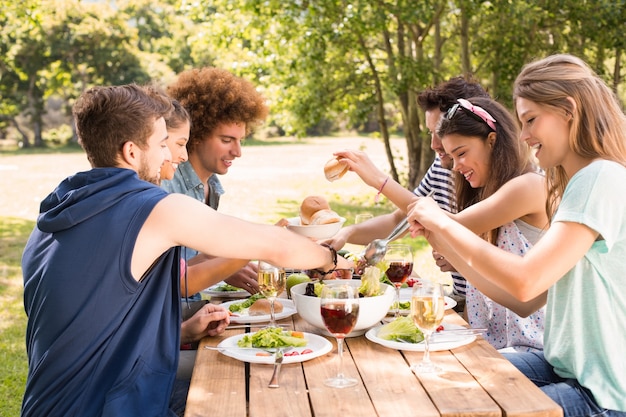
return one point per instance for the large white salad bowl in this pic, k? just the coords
(371, 309)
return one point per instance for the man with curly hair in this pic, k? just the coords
(224, 110)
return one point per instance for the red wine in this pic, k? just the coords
(340, 318)
(399, 271)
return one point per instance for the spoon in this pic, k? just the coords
(375, 251)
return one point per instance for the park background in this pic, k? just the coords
(336, 74)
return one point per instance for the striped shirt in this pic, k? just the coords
(441, 180)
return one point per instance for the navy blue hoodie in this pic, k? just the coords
(99, 342)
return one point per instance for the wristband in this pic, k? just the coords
(333, 254)
(380, 190)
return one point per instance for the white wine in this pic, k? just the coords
(427, 312)
(272, 282)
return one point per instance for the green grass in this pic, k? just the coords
(13, 362)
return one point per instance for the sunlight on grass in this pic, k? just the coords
(13, 235)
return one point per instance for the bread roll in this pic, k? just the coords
(261, 307)
(335, 169)
(310, 205)
(324, 217)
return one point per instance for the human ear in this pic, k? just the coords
(129, 153)
(491, 139)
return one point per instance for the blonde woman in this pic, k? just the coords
(575, 126)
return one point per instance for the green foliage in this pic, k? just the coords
(13, 362)
(324, 66)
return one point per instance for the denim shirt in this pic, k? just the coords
(187, 182)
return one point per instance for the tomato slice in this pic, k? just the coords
(292, 353)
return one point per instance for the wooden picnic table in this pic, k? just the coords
(476, 380)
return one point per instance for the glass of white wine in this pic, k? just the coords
(271, 284)
(427, 311)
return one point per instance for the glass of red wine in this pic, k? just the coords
(399, 259)
(339, 305)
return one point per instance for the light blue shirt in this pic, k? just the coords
(585, 336)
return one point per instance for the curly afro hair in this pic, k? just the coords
(213, 96)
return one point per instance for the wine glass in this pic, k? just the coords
(271, 283)
(339, 306)
(427, 310)
(400, 260)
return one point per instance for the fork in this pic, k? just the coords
(278, 360)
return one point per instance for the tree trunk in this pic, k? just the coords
(25, 140)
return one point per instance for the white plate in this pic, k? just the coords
(437, 342)
(289, 309)
(213, 291)
(318, 344)
(406, 296)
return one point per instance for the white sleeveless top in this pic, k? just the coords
(505, 328)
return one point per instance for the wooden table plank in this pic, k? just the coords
(220, 391)
(392, 386)
(516, 394)
(327, 401)
(292, 395)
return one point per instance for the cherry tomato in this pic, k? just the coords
(411, 281)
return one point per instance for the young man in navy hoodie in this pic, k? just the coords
(101, 268)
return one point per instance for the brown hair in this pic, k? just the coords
(598, 125)
(509, 157)
(213, 96)
(108, 117)
(444, 95)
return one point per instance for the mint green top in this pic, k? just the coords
(585, 335)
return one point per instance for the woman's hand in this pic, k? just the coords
(424, 216)
(359, 163)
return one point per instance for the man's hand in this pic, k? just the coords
(210, 320)
(246, 278)
(442, 263)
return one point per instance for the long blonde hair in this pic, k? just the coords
(598, 127)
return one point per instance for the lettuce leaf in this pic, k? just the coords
(401, 328)
(370, 281)
(271, 337)
(237, 307)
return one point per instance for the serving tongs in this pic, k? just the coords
(375, 251)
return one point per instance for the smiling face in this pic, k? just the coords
(546, 132)
(177, 144)
(154, 154)
(471, 156)
(215, 154)
(432, 118)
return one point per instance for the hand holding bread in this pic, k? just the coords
(335, 169)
